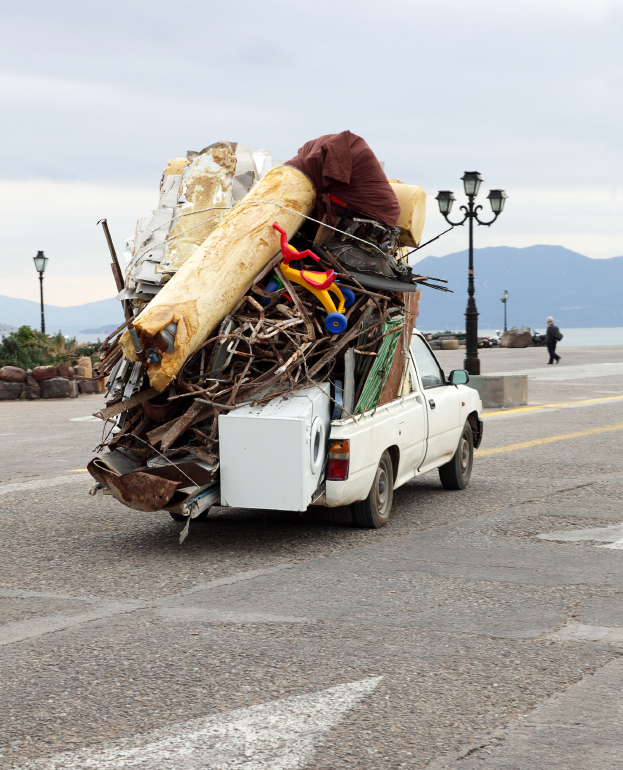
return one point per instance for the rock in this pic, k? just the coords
(101, 385)
(81, 371)
(31, 392)
(41, 373)
(30, 380)
(449, 344)
(65, 371)
(10, 390)
(86, 362)
(59, 387)
(12, 374)
(517, 338)
(86, 387)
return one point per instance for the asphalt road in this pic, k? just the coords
(479, 629)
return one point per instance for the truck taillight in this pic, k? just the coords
(339, 461)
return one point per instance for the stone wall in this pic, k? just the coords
(59, 381)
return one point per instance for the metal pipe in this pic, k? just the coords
(471, 361)
(116, 269)
(42, 313)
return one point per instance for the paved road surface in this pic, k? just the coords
(480, 629)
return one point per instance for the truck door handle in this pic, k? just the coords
(431, 401)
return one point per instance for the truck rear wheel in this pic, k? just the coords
(456, 473)
(374, 511)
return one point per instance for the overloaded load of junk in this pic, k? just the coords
(254, 284)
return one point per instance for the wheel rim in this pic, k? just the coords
(382, 491)
(464, 454)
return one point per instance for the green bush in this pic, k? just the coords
(28, 348)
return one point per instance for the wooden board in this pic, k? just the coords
(391, 391)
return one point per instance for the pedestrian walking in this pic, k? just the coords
(552, 338)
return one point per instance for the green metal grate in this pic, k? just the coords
(371, 393)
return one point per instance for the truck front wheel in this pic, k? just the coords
(374, 511)
(456, 473)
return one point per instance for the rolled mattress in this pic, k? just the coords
(220, 272)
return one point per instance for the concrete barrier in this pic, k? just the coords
(501, 391)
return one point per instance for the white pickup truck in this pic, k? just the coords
(289, 454)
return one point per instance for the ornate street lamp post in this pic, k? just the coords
(41, 262)
(445, 198)
(504, 298)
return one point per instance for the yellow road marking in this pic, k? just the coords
(551, 406)
(548, 440)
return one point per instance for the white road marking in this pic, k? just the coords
(88, 418)
(207, 615)
(273, 736)
(612, 535)
(581, 632)
(8, 434)
(20, 630)
(10, 593)
(561, 372)
(25, 486)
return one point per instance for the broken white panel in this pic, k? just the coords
(262, 162)
(146, 272)
(246, 174)
(205, 194)
(150, 236)
(146, 288)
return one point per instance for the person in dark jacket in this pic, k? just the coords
(552, 337)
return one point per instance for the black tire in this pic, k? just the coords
(374, 511)
(456, 473)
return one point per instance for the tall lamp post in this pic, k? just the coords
(41, 262)
(504, 298)
(445, 198)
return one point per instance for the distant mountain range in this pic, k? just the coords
(70, 320)
(541, 281)
(7, 329)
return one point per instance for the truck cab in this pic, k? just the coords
(435, 423)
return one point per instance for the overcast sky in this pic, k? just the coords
(96, 97)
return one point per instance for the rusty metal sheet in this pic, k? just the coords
(138, 490)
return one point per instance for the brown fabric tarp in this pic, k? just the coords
(344, 166)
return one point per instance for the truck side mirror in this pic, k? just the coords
(458, 377)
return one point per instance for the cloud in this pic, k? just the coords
(60, 218)
(524, 91)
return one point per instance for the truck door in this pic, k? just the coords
(441, 403)
(412, 429)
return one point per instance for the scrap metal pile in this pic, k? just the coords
(251, 281)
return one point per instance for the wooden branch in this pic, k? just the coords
(123, 406)
(181, 424)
